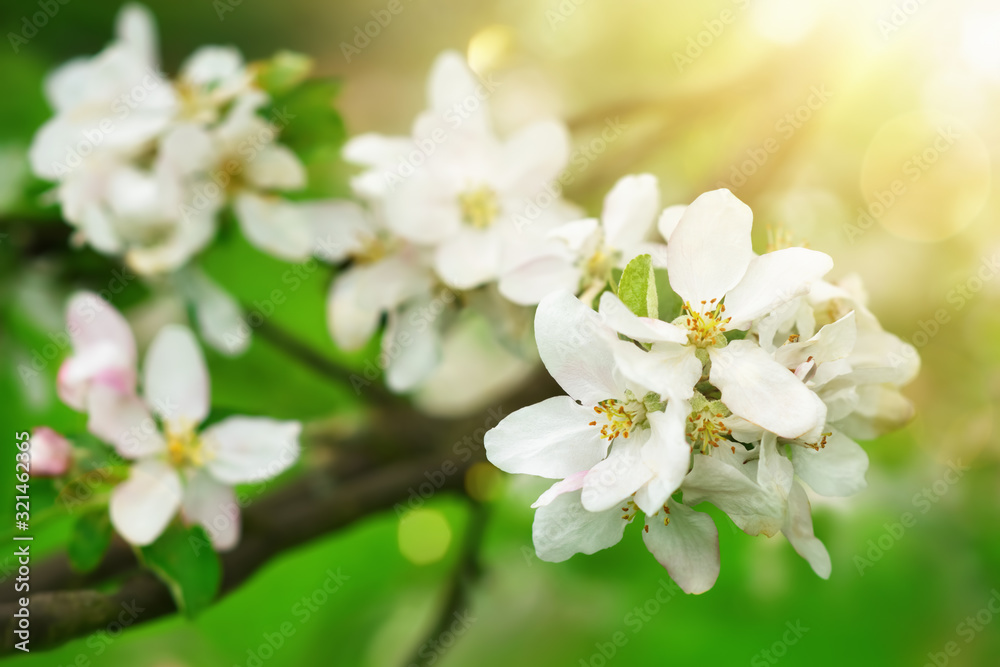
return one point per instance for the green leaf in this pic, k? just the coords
(185, 561)
(637, 287)
(283, 72)
(89, 540)
(735, 334)
(670, 302)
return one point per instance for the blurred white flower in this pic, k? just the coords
(178, 467)
(483, 204)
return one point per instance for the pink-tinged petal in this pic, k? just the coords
(531, 282)
(576, 348)
(670, 370)
(175, 378)
(212, 504)
(668, 220)
(710, 249)
(533, 157)
(667, 454)
(837, 469)
(750, 507)
(759, 389)
(50, 453)
(773, 280)
(630, 210)
(688, 547)
(617, 477)
(798, 529)
(572, 483)
(241, 450)
(643, 329)
(549, 439)
(143, 505)
(564, 528)
(103, 350)
(125, 421)
(469, 259)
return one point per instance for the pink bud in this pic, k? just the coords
(50, 453)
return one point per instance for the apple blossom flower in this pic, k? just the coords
(51, 453)
(176, 465)
(457, 188)
(591, 248)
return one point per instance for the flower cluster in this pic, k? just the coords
(174, 464)
(752, 389)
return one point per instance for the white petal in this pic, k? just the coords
(212, 65)
(351, 319)
(530, 283)
(218, 314)
(533, 157)
(375, 150)
(469, 259)
(798, 529)
(774, 471)
(412, 344)
(630, 209)
(241, 450)
(643, 329)
(175, 379)
(549, 439)
(212, 504)
(838, 469)
(667, 454)
(572, 483)
(688, 547)
(125, 421)
(832, 342)
(275, 226)
(578, 235)
(452, 83)
(710, 249)
(575, 347)
(668, 220)
(275, 167)
(135, 27)
(339, 228)
(143, 505)
(751, 508)
(619, 475)
(563, 528)
(759, 389)
(668, 369)
(772, 280)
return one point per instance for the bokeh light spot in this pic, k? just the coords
(424, 536)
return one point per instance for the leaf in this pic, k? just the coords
(637, 287)
(670, 302)
(735, 334)
(283, 72)
(89, 540)
(184, 560)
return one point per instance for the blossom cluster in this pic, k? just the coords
(752, 390)
(173, 464)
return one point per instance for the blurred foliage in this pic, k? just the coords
(810, 112)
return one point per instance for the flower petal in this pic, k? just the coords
(630, 209)
(563, 528)
(643, 329)
(275, 167)
(759, 389)
(688, 547)
(413, 344)
(710, 249)
(240, 450)
(572, 483)
(667, 454)
(212, 504)
(531, 282)
(772, 280)
(275, 226)
(837, 469)
(469, 258)
(50, 454)
(103, 350)
(575, 346)
(618, 476)
(175, 379)
(143, 505)
(533, 157)
(751, 508)
(667, 222)
(123, 420)
(668, 369)
(798, 529)
(549, 439)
